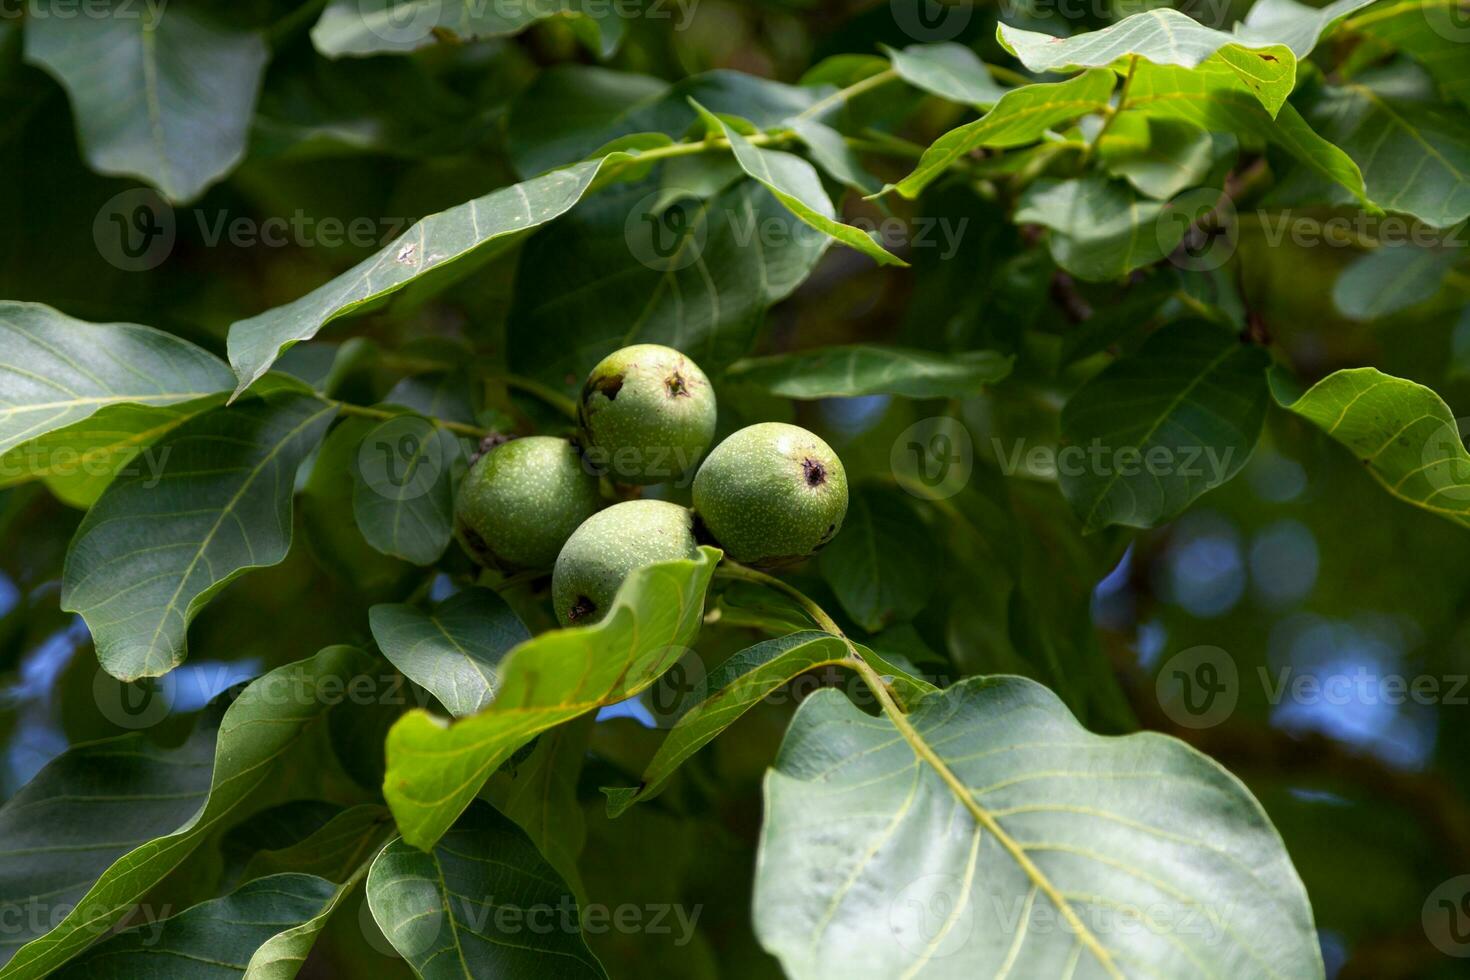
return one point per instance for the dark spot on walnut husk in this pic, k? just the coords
(581, 609)
(831, 530)
(676, 386)
(488, 443)
(814, 472)
(608, 384)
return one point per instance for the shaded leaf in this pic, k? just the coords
(1162, 426)
(255, 734)
(364, 27)
(881, 564)
(334, 851)
(404, 480)
(1392, 279)
(1402, 432)
(453, 649)
(541, 795)
(435, 769)
(481, 903)
(872, 369)
(1428, 33)
(155, 549)
(1031, 856)
(165, 98)
(1162, 157)
(1100, 228)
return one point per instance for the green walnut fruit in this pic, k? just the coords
(608, 546)
(771, 493)
(649, 414)
(521, 501)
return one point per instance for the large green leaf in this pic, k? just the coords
(951, 71)
(165, 98)
(1402, 432)
(1216, 100)
(1162, 36)
(453, 649)
(1021, 116)
(734, 687)
(540, 793)
(872, 369)
(1427, 31)
(366, 27)
(697, 274)
(1414, 155)
(214, 940)
(482, 902)
(251, 749)
(156, 548)
(404, 480)
(1391, 279)
(1294, 24)
(435, 769)
(881, 564)
(1163, 157)
(1100, 228)
(1160, 427)
(56, 371)
(53, 848)
(335, 850)
(431, 246)
(991, 835)
(796, 184)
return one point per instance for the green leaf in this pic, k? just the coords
(1162, 36)
(795, 183)
(214, 939)
(540, 793)
(734, 687)
(485, 225)
(1428, 33)
(1157, 429)
(1391, 279)
(1023, 115)
(950, 71)
(334, 851)
(403, 485)
(220, 506)
(56, 371)
(1162, 157)
(697, 274)
(365, 27)
(481, 903)
(1042, 850)
(1403, 432)
(255, 735)
(165, 98)
(1216, 100)
(872, 369)
(1101, 230)
(434, 769)
(829, 149)
(453, 649)
(881, 565)
(54, 848)
(1414, 156)
(1293, 24)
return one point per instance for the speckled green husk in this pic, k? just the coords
(611, 544)
(649, 414)
(521, 501)
(771, 493)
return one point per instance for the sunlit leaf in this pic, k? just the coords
(872, 369)
(1101, 229)
(365, 27)
(949, 70)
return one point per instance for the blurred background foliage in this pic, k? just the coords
(1300, 566)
